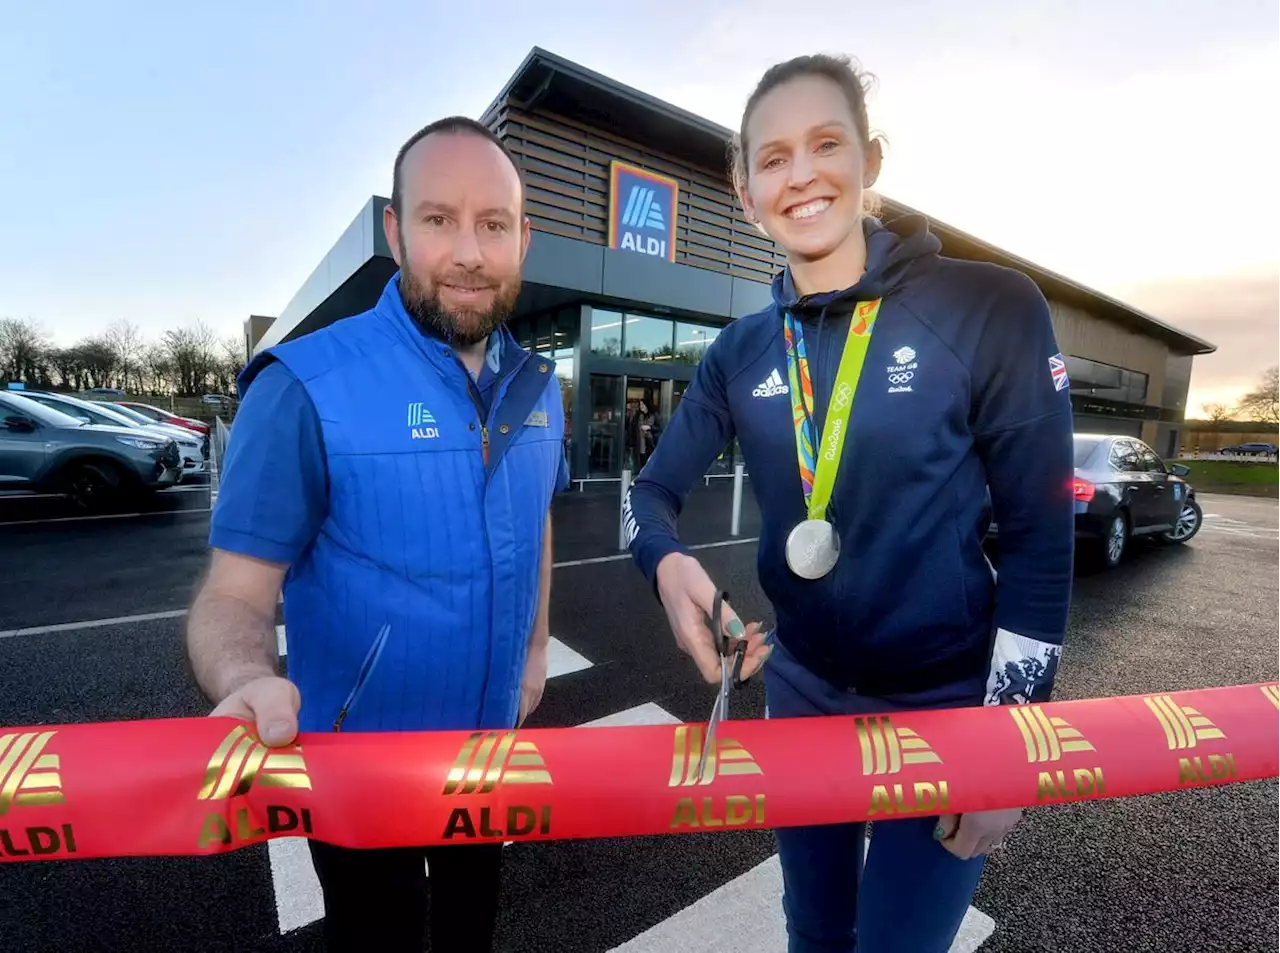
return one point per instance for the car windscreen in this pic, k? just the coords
(13, 404)
(1084, 449)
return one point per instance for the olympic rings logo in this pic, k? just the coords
(901, 378)
(842, 396)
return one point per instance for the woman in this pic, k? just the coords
(947, 387)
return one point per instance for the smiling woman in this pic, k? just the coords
(902, 386)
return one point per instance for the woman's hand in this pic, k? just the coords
(687, 595)
(970, 835)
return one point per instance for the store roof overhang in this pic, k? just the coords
(557, 85)
(561, 267)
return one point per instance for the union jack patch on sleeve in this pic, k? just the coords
(1058, 370)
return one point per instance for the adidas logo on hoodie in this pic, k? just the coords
(771, 386)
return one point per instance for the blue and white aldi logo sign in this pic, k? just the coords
(642, 211)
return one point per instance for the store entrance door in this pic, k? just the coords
(650, 404)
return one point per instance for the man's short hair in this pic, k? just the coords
(450, 124)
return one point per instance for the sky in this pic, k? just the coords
(168, 163)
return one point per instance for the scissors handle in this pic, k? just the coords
(738, 648)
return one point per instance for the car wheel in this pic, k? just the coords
(1188, 523)
(1115, 540)
(92, 487)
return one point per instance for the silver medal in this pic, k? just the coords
(812, 549)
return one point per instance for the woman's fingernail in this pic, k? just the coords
(937, 832)
(735, 628)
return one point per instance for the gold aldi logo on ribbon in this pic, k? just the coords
(30, 778)
(487, 761)
(726, 759)
(1272, 694)
(1049, 739)
(886, 750)
(1185, 729)
(239, 763)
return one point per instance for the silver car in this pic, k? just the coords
(195, 458)
(43, 450)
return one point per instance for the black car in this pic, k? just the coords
(1124, 490)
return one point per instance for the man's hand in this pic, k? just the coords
(969, 835)
(687, 595)
(271, 703)
(534, 680)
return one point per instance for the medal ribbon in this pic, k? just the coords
(818, 471)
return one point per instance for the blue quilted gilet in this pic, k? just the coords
(414, 606)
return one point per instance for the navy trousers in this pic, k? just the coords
(908, 894)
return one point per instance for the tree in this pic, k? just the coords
(1263, 402)
(23, 344)
(1217, 413)
(125, 341)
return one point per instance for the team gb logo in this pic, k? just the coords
(904, 355)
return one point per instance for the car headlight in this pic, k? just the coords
(140, 443)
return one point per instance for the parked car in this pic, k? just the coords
(164, 417)
(193, 447)
(45, 451)
(1251, 450)
(1123, 490)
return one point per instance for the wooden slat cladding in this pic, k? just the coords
(566, 167)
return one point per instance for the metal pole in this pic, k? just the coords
(622, 509)
(737, 499)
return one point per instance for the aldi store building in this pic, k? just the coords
(641, 255)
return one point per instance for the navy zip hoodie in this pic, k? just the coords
(962, 413)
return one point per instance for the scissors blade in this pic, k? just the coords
(709, 740)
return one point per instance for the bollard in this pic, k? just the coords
(622, 509)
(737, 499)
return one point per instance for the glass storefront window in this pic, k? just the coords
(692, 341)
(606, 333)
(604, 433)
(566, 330)
(648, 339)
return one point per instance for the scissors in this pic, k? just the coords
(736, 650)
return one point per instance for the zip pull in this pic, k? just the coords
(366, 667)
(484, 442)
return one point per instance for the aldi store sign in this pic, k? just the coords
(642, 211)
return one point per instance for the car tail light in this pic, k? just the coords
(1084, 490)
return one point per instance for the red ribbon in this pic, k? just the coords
(201, 785)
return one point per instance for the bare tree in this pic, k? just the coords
(1217, 413)
(1263, 402)
(127, 346)
(193, 353)
(22, 347)
(158, 368)
(97, 363)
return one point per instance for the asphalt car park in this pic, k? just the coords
(91, 629)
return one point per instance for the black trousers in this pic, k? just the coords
(378, 899)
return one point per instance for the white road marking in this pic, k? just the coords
(177, 613)
(105, 516)
(299, 901)
(745, 916)
(612, 559)
(96, 623)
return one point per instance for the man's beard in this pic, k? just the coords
(459, 327)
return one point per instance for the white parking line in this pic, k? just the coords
(299, 901)
(619, 556)
(93, 624)
(745, 916)
(176, 613)
(105, 516)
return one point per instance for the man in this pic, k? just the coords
(394, 473)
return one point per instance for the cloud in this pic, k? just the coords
(1238, 311)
